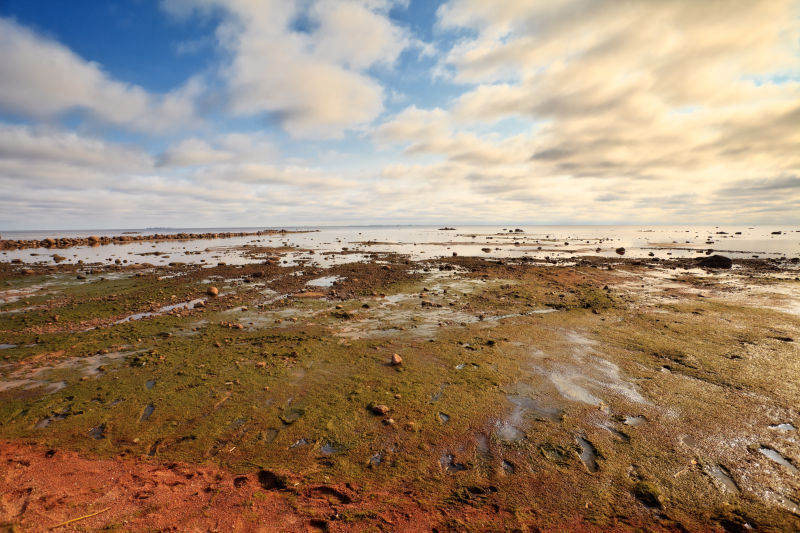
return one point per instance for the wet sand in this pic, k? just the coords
(584, 393)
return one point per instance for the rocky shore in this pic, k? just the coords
(95, 240)
(454, 394)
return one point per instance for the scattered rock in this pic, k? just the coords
(212, 291)
(396, 359)
(379, 409)
(620, 250)
(716, 261)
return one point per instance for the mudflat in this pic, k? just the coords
(396, 394)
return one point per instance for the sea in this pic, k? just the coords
(328, 245)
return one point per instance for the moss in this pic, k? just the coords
(649, 494)
(241, 398)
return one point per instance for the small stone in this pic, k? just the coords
(396, 359)
(380, 409)
(212, 291)
(620, 250)
(261, 364)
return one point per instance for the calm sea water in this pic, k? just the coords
(422, 242)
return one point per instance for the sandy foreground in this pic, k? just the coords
(458, 394)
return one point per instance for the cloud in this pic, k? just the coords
(42, 158)
(42, 79)
(654, 106)
(314, 82)
(51, 177)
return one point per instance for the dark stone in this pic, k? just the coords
(716, 261)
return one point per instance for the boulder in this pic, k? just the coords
(716, 261)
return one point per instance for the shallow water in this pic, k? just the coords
(425, 242)
(778, 458)
(723, 477)
(588, 454)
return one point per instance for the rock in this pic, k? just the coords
(486, 250)
(380, 409)
(716, 261)
(648, 494)
(59, 258)
(396, 359)
(212, 291)
(620, 250)
(80, 276)
(94, 238)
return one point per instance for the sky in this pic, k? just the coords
(231, 113)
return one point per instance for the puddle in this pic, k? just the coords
(329, 449)
(326, 281)
(523, 404)
(444, 417)
(778, 458)
(147, 412)
(163, 310)
(471, 366)
(438, 395)
(509, 468)
(7, 346)
(48, 420)
(783, 427)
(292, 415)
(578, 378)
(723, 477)
(270, 435)
(635, 421)
(27, 379)
(149, 384)
(588, 454)
(28, 384)
(98, 432)
(787, 503)
(448, 463)
(376, 459)
(298, 444)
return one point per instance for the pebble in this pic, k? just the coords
(212, 291)
(380, 409)
(396, 359)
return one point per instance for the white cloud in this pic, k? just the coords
(43, 79)
(314, 82)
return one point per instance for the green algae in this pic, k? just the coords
(243, 398)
